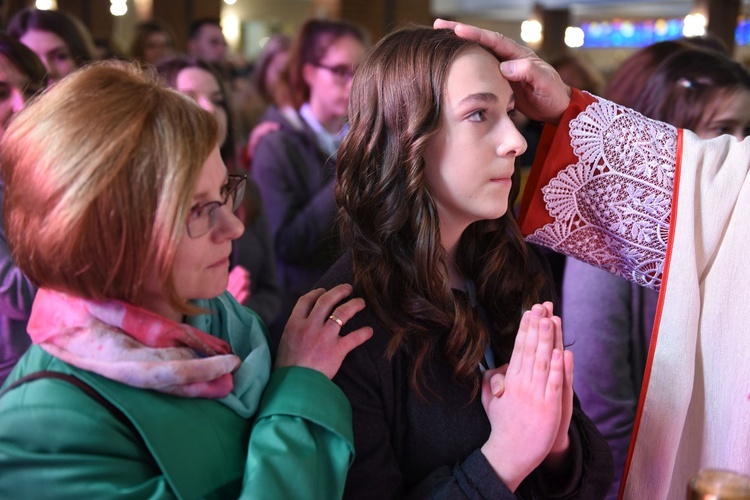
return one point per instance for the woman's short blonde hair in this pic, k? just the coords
(99, 174)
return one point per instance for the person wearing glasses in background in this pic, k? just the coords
(22, 76)
(294, 167)
(146, 378)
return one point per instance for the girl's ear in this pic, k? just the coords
(308, 72)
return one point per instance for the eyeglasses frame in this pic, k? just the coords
(234, 189)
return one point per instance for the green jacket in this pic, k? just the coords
(57, 442)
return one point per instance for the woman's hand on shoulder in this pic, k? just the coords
(527, 417)
(311, 336)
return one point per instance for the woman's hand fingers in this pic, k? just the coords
(305, 304)
(351, 340)
(323, 307)
(311, 337)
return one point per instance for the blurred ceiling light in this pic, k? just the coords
(230, 26)
(574, 36)
(46, 4)
(118, 7)
(695, 25)
(531, 31)
(230, 2)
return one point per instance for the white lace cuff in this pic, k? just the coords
(612, 207)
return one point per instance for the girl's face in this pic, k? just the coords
(470, 161)
(728, 113)
(12, 83)
(205, 89)
(53, 52)
(330, 80)
(201, 265)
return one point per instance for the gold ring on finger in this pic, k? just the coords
(337, 320)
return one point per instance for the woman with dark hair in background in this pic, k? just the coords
(22, 76)
(271, 79)
(252, 279)
(294, 167)
(60, 41)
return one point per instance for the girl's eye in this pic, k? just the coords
(477, 116)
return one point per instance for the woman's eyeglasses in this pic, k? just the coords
(203, 217)
(342, 72)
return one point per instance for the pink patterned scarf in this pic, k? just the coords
(132, 345)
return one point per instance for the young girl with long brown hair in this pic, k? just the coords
(424, 180)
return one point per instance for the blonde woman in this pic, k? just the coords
(146, 378)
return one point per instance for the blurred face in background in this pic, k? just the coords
(202, 86)
(274, 71)
(53, 52)
(330, 79)
(158, 46)
(727, 113)
(209, 45)
(12, 85)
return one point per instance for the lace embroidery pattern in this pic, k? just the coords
(612, 208)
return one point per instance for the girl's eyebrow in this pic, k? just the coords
(482, 97)
(485, 97)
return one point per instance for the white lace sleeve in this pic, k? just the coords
(612, 208)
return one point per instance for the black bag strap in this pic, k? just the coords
(86, 388)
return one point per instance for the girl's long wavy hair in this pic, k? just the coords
(388, 216)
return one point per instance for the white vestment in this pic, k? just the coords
(666, 210)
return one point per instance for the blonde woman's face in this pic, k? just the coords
(201, 265)
(204, 88)
(53, 52)
(728, 113)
